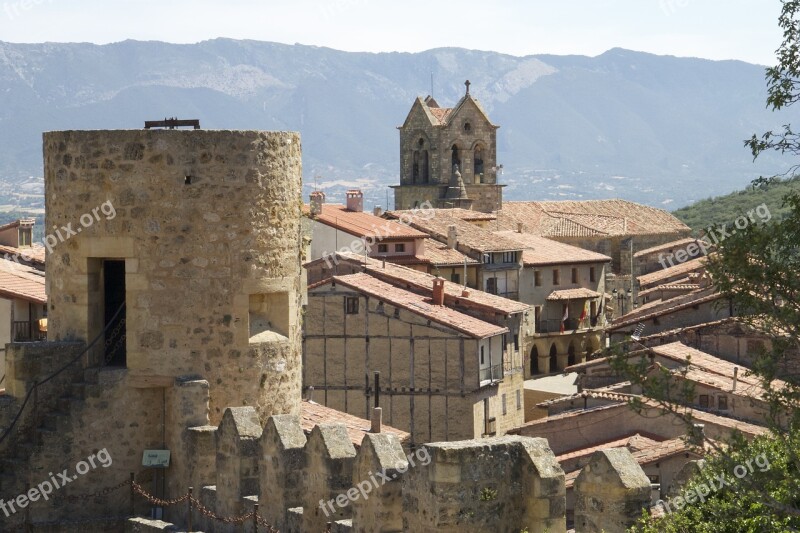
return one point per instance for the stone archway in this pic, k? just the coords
(571, 354)
(553, 358)
(535, 361)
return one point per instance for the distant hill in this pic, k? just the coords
(660, 130)
(726, 209)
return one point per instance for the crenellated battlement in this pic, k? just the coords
(304, 481)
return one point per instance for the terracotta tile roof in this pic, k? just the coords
(651, 453)
(713, 371)
(441, 113)
(572, 294)
(417, 304)
(681, 269)
(668, 333)
(22, 282)
(597, 394)
(702, 416)
(633, 442)
(589, 218)
(362, 224)
(472, 236)
(541, 251)
(34, 254)
(679, 244)
(652, 310)
(313, 414)
(439, 254)
(409, 278)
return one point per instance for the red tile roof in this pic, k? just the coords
(313, 414)
(33, 254)
(667, 307)
(409, 278)
(540, 251)
(441, 113)
(633, 442)
(475, 238)
(362, 224)
(417, 304)
(572, 294)
(589, 218)
(439, 254)
(679, 244)
(22, 282)
(681, 269)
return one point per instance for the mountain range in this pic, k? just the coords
(661, 130)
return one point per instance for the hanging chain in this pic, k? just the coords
(102, 492)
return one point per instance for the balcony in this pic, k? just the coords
(26, 331)
(492, 373)
(570, 324)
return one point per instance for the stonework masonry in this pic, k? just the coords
(203, 249)
(207, 223)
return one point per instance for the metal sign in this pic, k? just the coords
(156, 458)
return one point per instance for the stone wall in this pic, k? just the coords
(208, 225)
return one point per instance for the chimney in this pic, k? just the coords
(377, 420)
(317, 201)
(520, 227)
(465, 293)
(698, 435)
(377, 211)
(438, 291)
(355, 200)
(735, 377)
(452, 237)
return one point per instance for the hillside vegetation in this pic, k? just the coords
(725, 209)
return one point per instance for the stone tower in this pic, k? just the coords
(448, 156)
(203, 248)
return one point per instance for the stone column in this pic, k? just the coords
(610, 492)
(281, 468)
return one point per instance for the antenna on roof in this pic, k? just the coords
(637, 333)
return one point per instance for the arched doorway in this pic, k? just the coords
(534, 361)
(571, 354)
(553, 358)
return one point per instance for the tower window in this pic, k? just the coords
(467, 126)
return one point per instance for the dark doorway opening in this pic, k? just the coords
(534, 361)
(571, 355)
(114, 320)
(553, 358)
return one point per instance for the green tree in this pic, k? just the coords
(758, 270)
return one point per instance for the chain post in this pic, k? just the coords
(255, 518)
(189, 509)
(133, 494)
(35, 411)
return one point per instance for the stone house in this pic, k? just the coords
(448, 157)
(335, 227)
(695, 307)
(566, 287)
(23, 304)
(667, 255)
(500, 259)
(444, 375)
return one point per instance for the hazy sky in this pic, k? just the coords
(714, 29)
